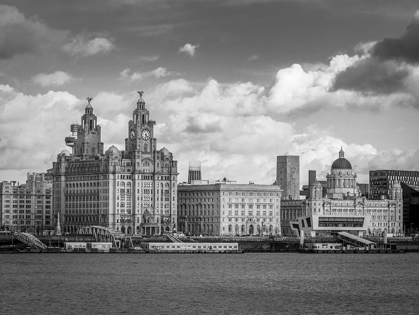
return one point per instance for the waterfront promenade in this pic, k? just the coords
(247, 244)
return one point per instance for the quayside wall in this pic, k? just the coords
(246, 244)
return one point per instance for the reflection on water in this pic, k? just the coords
(262, 283)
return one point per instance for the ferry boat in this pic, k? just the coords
(329, 248)
(191, 247)
(322, 247)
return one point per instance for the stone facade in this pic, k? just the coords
(27, 207)
(132, 190)
(229, 209)
(343, 208)
(288, 176)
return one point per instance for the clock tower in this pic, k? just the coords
(140, 130)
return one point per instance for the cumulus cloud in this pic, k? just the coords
(33, 127)
(53, 79)
(21, 35)
(87, 44)
(29, 123)
(160, 72)
(252, 57)
(125, 75)
(387, 67)
(232, 130)
(337, 85)
(188, 49)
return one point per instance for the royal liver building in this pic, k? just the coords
(132, 190)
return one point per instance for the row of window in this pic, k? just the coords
(28, 216)
(250, 206)
(264, 200)
(22, 222)
(27, 196)
(247, 219)
(82, 211)
(247, 193)
(212, 193)
(82, 205)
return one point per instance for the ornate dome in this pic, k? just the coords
(341, 162)
(113, 149)
(141, 101)
(164, 151)
(65, 152)
(317, 183)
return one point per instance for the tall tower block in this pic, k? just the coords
(288, 175)
(311, 179)
(194, 173)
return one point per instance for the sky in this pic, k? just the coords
(231, 83)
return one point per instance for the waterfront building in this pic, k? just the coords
(229, 209)
(133, 190)
(410, 208)
(27, 207)
(290, 211)
(344, 209)
(382, 180)
(288, 176)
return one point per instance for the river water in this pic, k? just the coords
(250, 283)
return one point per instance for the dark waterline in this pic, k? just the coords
(271, 283)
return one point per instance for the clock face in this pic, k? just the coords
(145, 134)
(132, 134)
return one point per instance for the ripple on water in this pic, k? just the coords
(271, 283)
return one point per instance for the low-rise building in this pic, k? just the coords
(27, 207)
(229, 209)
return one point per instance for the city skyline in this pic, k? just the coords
(231, 84)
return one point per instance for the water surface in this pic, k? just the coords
(252, 283)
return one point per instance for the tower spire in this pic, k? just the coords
(140, 102)
(58, 230)
(341, 153)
